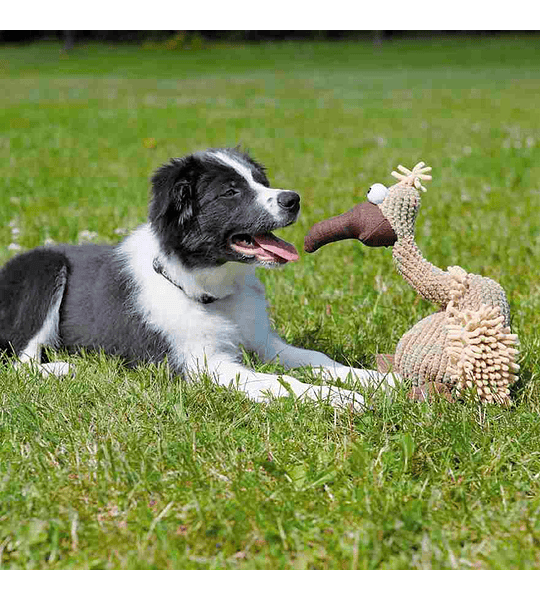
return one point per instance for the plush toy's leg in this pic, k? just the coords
(427, 390)
(385, 363)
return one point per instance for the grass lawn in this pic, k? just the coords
(118, 468)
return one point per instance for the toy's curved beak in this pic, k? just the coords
(365, 222)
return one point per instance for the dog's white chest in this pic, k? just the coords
(193, 329)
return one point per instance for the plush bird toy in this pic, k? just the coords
(468, 343)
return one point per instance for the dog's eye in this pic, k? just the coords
(229, 193)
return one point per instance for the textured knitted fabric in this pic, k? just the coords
(468, 344)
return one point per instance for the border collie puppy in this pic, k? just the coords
(183, 285)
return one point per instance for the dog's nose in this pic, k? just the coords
(289, 200)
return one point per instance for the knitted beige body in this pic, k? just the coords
(468, 344)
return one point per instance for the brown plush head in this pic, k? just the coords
(364, 222)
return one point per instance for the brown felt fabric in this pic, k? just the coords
(364, 222)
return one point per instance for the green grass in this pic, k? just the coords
(119, 468)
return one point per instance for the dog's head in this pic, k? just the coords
(217, 206)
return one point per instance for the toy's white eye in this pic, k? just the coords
(377, 193)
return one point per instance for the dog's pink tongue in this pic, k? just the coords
(277, 247)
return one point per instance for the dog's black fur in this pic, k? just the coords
(40, 273)
(197, 204)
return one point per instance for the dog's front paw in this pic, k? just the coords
(262, 389)
(347, 399)
(337, 397)
(368, 378)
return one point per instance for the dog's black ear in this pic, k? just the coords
(174, 192)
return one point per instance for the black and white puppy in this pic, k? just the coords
(183, 285)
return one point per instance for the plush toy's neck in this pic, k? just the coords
(400, 208)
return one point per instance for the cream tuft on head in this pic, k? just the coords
(414, 177)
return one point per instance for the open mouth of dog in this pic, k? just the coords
(265, 248)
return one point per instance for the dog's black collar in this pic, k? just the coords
(160, 270)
